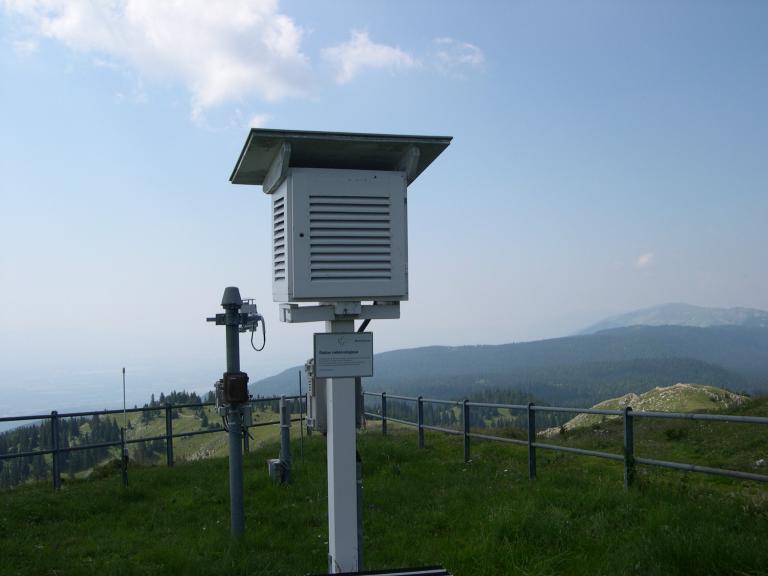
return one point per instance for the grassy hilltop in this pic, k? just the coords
(421, 507)
(676, 398)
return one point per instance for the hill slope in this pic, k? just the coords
(677, 398)
(735, 357)
(684, 315)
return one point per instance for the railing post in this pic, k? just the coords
(384, 413)
(629, 447)
(420, 413)
(55, 462)
(465, 413)
(123, 458)
(168, 435)
(285, 440)
(531, 442)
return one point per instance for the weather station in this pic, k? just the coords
(232, 397)
(339, 255)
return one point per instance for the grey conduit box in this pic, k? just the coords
(339, 210)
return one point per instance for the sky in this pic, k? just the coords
(606, 156)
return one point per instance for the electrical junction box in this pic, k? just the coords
(339, 211)
(317, 409)
(235, 386)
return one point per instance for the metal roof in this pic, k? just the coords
(334, 150)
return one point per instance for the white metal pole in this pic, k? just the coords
(342, 468)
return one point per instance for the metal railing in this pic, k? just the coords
(627, 415)
(57, 450)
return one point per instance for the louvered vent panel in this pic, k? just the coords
(350, 238)
(278, 238)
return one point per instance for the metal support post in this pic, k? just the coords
(531, 442)
(285, 439)
(168, 434)
(420, 414)
(359, 511)
(123, 458)
(465, 418)
(231, 302)
(302, 400)
(343, 511)
(384, 413)
(55, 463)
(629, 447)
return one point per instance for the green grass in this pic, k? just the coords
(421, 507)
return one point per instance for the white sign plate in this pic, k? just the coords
(344, 355)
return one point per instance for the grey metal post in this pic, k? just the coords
(420, 413)
(301, 420)
(531, 442)
(168, 435)
(360, 564)
(232, 302)
(55, 462)
(384, 413)
(285, 439)
(123, 458)
(629, 447)
(465, 418)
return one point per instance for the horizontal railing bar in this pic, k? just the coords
(198, 432)
(498, 439)
(496, 405)
(270, 423)
(89, 446)
(11, 455)
(703, 469)
(396, 397)
(440, 429)
(145, 439)
(109, 412)
(406, 422)
(137, 409)
(372, 414)
(435, 401)
(22, 418)
(711, 417)
(581, 451)
(580, 410)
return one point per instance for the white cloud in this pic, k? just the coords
(359, 52)
(454, 57)
(220, 50)
(24, 47)
(258, 120)
(645, 260)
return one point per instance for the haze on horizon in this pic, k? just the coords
(606, 157)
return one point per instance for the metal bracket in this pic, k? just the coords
(293, 313)
(278, 170)
(409, 163)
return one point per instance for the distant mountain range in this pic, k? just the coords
(578, 370)
(684, 315)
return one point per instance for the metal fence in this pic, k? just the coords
(56, 450)
(627, 415)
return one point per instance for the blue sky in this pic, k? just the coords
(606, 156)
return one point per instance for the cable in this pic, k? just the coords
(263, 334)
